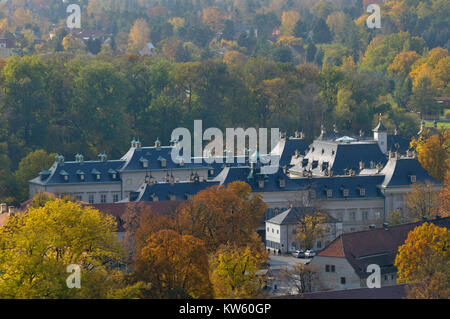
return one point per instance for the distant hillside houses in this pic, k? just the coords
(356, 180)
(7, 47)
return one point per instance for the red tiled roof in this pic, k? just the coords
(374, 246)
(334, 249)
(118, 209)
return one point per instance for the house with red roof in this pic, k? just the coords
(343, 263)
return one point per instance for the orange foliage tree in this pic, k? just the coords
(175, 265)
(433, 153)
(221, 215)
(424, 261)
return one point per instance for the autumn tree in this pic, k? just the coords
(444, 197)
(310, 228)
(37, 247)
(223, 215)
(421, 202)
(433, 153)
(139, 35)
(234, 271)
(424, 261)
(288, 21)
(401, 66)
(305, 278)
(394, 218)
(212, 16)
(175, 265)
(73, 44)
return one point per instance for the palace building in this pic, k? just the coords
(356, 180)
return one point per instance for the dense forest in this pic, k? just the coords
(292, 64)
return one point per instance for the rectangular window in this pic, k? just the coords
(91, 199)
(362, 192)
(103, 198)
(115, 198)
(333, 268)
(365, 215)
(329, 193)
(327, 268)
(79, 197)
(342, 280)
(353, 216)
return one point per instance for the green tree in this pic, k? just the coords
(29, 167)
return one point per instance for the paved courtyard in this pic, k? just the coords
(283, 261)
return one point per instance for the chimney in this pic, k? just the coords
(3, 208)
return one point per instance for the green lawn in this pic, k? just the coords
(440, 125)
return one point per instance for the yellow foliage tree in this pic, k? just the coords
(288, 21)
(37, 247)
(424, 261)
(234, 272)
(310, 228)
(139, 35)
(401, 66)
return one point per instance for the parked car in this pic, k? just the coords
(299, 254)
(310, 253)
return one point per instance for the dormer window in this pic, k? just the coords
(362, 191)
(44, 174)
(113, 173)
(188, 196)
(64, 175)
(80, 175)
(282, 182)
(304, 162)
(211, 171)
(154, 197)
(261, 184)
(172, 197)
(329, 193)
(162, 161)
(413, 178)
(96, 174)
(345, 192)
(144, 162)
(312, 194)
